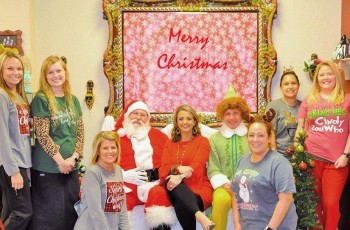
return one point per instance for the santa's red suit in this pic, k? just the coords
(143, 153)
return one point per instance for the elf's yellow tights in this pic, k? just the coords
(221, 206)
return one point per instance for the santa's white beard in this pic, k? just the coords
(139, 131)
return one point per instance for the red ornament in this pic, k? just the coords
(312, 163)
(302, 166)
(290, 150)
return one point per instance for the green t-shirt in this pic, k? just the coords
(63, 131)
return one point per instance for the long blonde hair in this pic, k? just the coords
(104, 136)
(337, 95)
(4, 57)
(45, 88)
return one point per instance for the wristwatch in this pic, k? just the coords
(347, 155)
(182, 176)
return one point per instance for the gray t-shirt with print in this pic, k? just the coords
(256, 186)
(285, 123)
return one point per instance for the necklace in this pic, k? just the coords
(291, 115)
(184, 149)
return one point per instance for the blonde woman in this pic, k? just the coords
(103, 205)
(326, 115)
(15, 154)
(59, 133)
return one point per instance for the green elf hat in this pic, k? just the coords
(231, 93)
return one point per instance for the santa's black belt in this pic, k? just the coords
(152, 175)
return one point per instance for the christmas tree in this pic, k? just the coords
(305, 198)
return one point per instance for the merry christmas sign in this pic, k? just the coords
(175, 58)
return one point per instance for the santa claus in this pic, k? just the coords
(141, 151)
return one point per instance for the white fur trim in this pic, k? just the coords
(157, 215)
(218, 180)
(207, 131)
(143, 153)
(127, 189)
(121, 132)
(135, 106)
(143, 190)
(108, 123)
(167, 130)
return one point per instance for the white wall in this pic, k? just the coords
(76, 30)
(302, 28)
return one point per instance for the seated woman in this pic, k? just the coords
(263, 184)
(103, 205)
(183, 171)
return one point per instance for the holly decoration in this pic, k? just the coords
(305, 199)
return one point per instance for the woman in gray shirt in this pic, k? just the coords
(103, 203)
(15, 153)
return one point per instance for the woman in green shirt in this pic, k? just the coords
(59, 133)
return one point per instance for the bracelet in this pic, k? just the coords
(182, 176)
(347, 155)
(269, 228)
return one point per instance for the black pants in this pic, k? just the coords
(17, 205)
(186, 204)
(53, 197)
(344, 222)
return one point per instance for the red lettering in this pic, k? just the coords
(165, 63)
(188, 38)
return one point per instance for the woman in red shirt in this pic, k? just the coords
(183, 170)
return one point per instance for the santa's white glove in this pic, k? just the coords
(135, 176)
(143, 190)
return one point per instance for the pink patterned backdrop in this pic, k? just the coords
(189, 58)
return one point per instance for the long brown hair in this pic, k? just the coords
(175, 132)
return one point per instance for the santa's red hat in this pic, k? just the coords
(131, 107)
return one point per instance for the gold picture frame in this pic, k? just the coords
(115, 64)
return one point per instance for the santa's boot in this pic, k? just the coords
(162, 227)
(159, 218)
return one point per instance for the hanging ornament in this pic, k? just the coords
(312, 163)
(302, 133)
(290, 150)
(302, 166)
(89, 96)
(300, 149)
